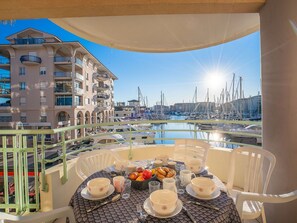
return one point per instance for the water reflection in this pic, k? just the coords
(165, 133)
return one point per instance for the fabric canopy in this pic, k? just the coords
(162, 33)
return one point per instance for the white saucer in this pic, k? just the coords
(191, 192)
(148, 208)
(85, 194)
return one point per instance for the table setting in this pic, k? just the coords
(159, 190)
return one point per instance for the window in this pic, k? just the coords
(43, 118)
(87, 88)
(22, 71)
(42, 100)
(5, 118)
(22, 101)
(87, 76)
(42, 70)
(22, 85)
(23, 117)
(64, 100)
(32, 54)
(42, 85)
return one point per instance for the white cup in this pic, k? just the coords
(131, 168)
(194, 165)
(158, 163)
(118, 183)
(98, 187)
(163, 202)
(202, 186)
(186, 177)
(169, 184)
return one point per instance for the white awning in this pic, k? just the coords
(162, 33)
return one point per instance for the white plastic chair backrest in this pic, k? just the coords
(257, 171)
(264, 198)
(191, 148)
(96, 160)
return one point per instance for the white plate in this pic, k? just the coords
(85, 194)
(148, 208)
(191, 192)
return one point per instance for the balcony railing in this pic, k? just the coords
(78, 76)
(60, 74)
(4, 76)
(101, 76)
(103, 96)
(29, 41)
(79, 91)
(62, 59)
(18, 147)
(62, 90)
(5, 91)
(103, 87)
(30, 59)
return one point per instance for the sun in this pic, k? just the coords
(214, 80)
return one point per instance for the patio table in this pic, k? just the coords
(124, 210)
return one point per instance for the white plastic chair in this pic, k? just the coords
(263, 198)
(259, 164)
(40, 216)
(191, 148)
(96, 160)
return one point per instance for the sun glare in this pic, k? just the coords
(214, 80)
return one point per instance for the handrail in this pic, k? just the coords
(27, 144)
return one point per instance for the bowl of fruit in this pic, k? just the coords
(164, 172)
(141, 177)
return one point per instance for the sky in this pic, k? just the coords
(175, 74)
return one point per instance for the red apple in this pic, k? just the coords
(147, 174)
(139, 169)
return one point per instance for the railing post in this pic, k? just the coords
(65, 171)
(195, 130)
(130, 155)
(44, 185)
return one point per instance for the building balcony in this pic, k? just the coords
(62, 75)
(4, 61)
(79, 77)
(22, 41)
(101, 76)
(30, 60)
(102, 97)
(79, 91)
(5, 77)
(63, 90)
(5, 92)
(62, 60)
(103, 87)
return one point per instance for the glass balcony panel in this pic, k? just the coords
(21, 41)
(4, 76)
(4, 60)
(30, 59)
(62, 59)
(62, 74)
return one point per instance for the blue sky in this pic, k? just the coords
(176, 74)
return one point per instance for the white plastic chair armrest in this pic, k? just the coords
(265, 198)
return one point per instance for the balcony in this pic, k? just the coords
(102, 97)
(78, 61)
(101, 76)
(5, 92)
(4, 61)
(5, 77)
(23, 41)
(50, 188)
(30, 60)
(62, 60)
(63, 90)
(103, 87)
(79, 91)
(79, 77)
(62, 75)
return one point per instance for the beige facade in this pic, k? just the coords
(47, 83)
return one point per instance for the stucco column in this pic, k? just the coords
(279, 89)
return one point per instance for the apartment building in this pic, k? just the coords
(48, 83)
